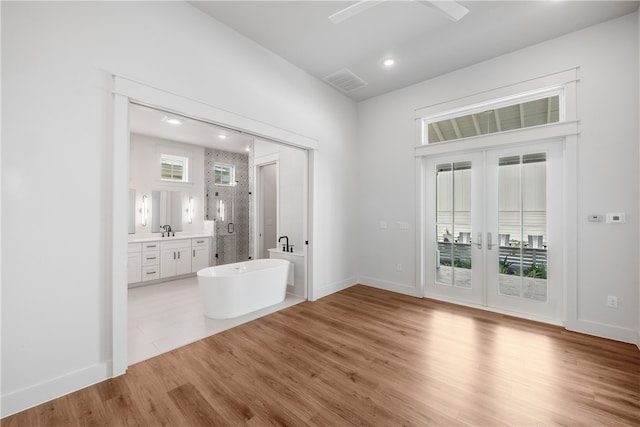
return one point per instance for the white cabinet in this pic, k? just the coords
(134, 263)
(150, 261)
(175, 258)
(165, 258)
(199, 254)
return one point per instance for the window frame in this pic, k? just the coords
(232, 174)
(175, 157)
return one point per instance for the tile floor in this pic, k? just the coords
(168, 315)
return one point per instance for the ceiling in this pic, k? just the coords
(422, 40)
(148, 121)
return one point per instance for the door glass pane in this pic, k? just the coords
(453, 224)
(522, 226)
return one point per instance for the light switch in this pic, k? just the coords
(615, 217)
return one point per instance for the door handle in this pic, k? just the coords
(479, 242)
(489, 245)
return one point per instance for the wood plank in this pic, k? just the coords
(364, 356)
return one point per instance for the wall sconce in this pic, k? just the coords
(143, 211)
(190, 210)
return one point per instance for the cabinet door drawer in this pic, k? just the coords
(150, 258)
(134, 247)
(150, 272)
(202, 241)
(151, 246)
(175, 244)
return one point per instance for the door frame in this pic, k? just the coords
(124, 92)
(259, 163)
(567, 136)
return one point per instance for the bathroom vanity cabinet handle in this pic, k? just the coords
(479, 242)
(194, 253)
(150, 257)
(150, 273)
(151, 246)
(199, 241)
(174, 255)
(178, 254)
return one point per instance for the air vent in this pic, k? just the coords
(345, 80)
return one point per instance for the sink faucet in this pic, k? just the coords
(285, 247)
(167, 229)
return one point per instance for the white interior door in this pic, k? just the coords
(494, 229)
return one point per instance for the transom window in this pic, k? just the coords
(500, 116)
(174, 168)
(224, 174)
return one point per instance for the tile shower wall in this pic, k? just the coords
(230, 245)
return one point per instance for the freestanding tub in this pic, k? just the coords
(232, 290)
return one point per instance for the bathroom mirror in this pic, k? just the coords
(166, 209)
(132, 211)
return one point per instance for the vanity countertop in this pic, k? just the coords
(158, 238)
(280, 251)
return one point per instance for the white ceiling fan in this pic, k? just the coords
(449, 8)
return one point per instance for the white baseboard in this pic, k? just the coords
(333, 288)
(31, 396)
(400, 288)
(603, 330)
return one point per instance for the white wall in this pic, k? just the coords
(292, 193)
(144, 177)
(607, 159)
(57, 61)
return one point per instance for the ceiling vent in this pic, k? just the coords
(345, 80)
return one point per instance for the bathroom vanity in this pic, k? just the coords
(296, 283)
(157, 259)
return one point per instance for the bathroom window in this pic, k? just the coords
(174, 168)
(224, 174)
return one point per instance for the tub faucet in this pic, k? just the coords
(285, 247)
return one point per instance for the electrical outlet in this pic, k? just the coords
(398, 267)
(612, 301)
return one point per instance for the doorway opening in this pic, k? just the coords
(496, 238)
(127, 92)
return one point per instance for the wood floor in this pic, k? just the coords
(373, 358)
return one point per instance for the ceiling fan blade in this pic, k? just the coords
(353, 10)
(453, 10)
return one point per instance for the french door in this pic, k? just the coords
(494, 229)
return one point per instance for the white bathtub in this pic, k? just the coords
(232, 290)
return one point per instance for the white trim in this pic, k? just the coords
(604, 330)
(125, 91)
(119, 235)
(258, 164)
(400, 288)
(333, 288)
(508, 138)
(540, 83)
(500, 103)
(170, 102)
(37, 394)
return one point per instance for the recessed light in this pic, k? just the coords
(171, 120)
(222, 136)
(247, 149)
(389, 62)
